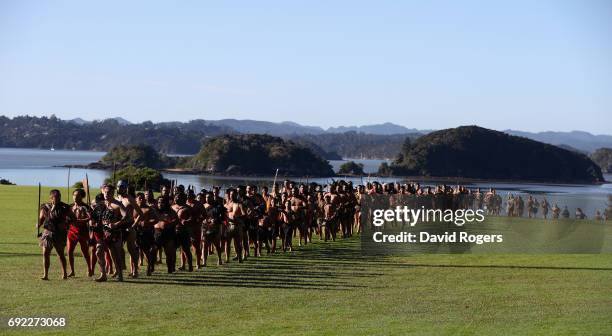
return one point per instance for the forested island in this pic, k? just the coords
(139, 156)
(245, 154)
(256, 154)
(480, 153)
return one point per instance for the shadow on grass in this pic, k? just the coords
(319, 266)
(19, 254)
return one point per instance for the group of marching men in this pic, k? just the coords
(444, 196)
(202, 224)
(206, 223)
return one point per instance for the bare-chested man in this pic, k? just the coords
(115, 218)
(545, 207)
(198, 215)
(129, 234)
(273, 219)
(165, 192)
(214, 216)
(54, 217)
(235, 229)
(165, 232)
(256, 210)
(145, 231)
(79, 232)
(286, 219)
(329, 219)
(97, 233)
(183, 229)
(359, 195)
(556, 211)
(298, 215)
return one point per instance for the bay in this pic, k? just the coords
(31, 166)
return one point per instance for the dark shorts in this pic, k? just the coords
(162, 237)
(286, 229)
(183, 238)
(51, 239)
(112, 236)
(264, 233)
(211, 231)
(196, 236)
(145, 239)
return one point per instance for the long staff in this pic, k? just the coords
(38, 212)
(68, 185)
(114, 171)
(87, 190)
(275, 176)
(88, 204)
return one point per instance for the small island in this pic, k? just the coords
(480, 153)
(351, 168)
(139, 156)
(257, 154)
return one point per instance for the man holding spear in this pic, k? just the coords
(54, 217)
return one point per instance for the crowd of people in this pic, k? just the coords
(244, 221)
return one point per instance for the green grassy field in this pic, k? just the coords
(324, 289)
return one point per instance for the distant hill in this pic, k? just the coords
(579, 140)
(122, 121)
(79, 121)
(255, 154)
(357, 145)
(572, 149)
(316, 148)
(34, 132)
(382, 129)
(476, 152)
(266, 127)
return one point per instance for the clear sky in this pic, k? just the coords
(528, 65)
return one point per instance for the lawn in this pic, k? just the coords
(323, 289)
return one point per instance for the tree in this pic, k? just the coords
(135, 155)
(140, 178)
(6, 182)
(384, 169)
(351, 168)
(406, 145)
(603, 158)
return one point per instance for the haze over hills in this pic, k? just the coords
(582, 141)
(80, 121)
(267, 127)
(578, 140)
(382, 129)
(281, 128)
